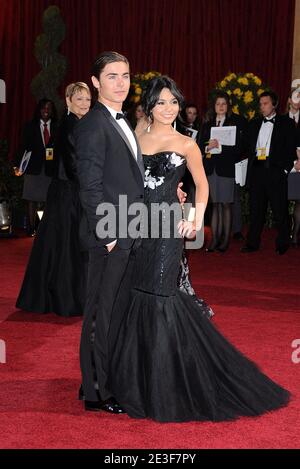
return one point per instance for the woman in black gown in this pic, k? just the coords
(54, 280)
(171, 364)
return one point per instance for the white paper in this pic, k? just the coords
(225, 135)
(215, 151)
(241, 172)
(191, 132)
(24, 161)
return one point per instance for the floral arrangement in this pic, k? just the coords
(139, 83)
(244, 91)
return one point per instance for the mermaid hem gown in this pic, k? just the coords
(170, 363)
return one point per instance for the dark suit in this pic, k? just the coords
(32, 141)
(267, 180)
(106, 168)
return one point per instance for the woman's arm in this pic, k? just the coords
(195, 166)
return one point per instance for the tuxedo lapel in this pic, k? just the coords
(274, 135)
(139, 159)
(122, 134)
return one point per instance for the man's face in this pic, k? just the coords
(46, 112)
(266, 106)
(113, 84)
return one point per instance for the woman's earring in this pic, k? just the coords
(68, 111)
(149, 123)
(174, 125)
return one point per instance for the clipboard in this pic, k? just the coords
(24, 161)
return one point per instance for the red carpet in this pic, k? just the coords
(256, 298)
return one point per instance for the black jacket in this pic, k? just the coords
(224, 162)
(106, 168)
(282, 147)
(64, 152)
(32, 141)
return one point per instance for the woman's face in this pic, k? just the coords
(191, 114)
(166, 109)
(139, 113)
(221, 106)
(80, 103)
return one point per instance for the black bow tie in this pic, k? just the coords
(272, 121)
(120, 115)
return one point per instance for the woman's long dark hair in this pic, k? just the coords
(154, 88)
(210, 116)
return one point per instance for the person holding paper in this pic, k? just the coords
(219, 164)
(270, 144)
(37, 146)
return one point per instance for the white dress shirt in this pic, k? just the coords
(42, 128)
(126, 129)
(295, 116)
(265, 135)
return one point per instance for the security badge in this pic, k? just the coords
(261, 153)
(49, 154)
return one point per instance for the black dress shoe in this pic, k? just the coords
(81, 394)
(112, 406)
(93, 406)
(109, 405)
(238, 236)
(282, 250)
(210, 250)
(222, 249)
(248, 249)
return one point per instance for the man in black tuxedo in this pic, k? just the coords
(109, 164)
(38, 138)
(270, 144)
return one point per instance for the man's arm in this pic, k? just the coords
(89, 143)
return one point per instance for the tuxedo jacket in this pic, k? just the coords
(297, 127)
(282, 146)
(32, 141)
(106, 168)
(224, 162)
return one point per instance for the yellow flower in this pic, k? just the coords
(229, 92)
(235, 109)
(136, 99)
(238, 92)
(251, 114)
(260, 91)
(249, 75)
(223, 84)
(243, 81)
(138, 90)
(248, 97)
(257, 80)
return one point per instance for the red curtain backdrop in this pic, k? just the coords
(196, 42)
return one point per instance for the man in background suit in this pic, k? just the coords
(38, 138)
(109, 164)
(270, 144)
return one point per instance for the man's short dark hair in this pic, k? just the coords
(105, 58)
(272, 95)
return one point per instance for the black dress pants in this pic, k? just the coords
(268, 185)
(107, 295)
